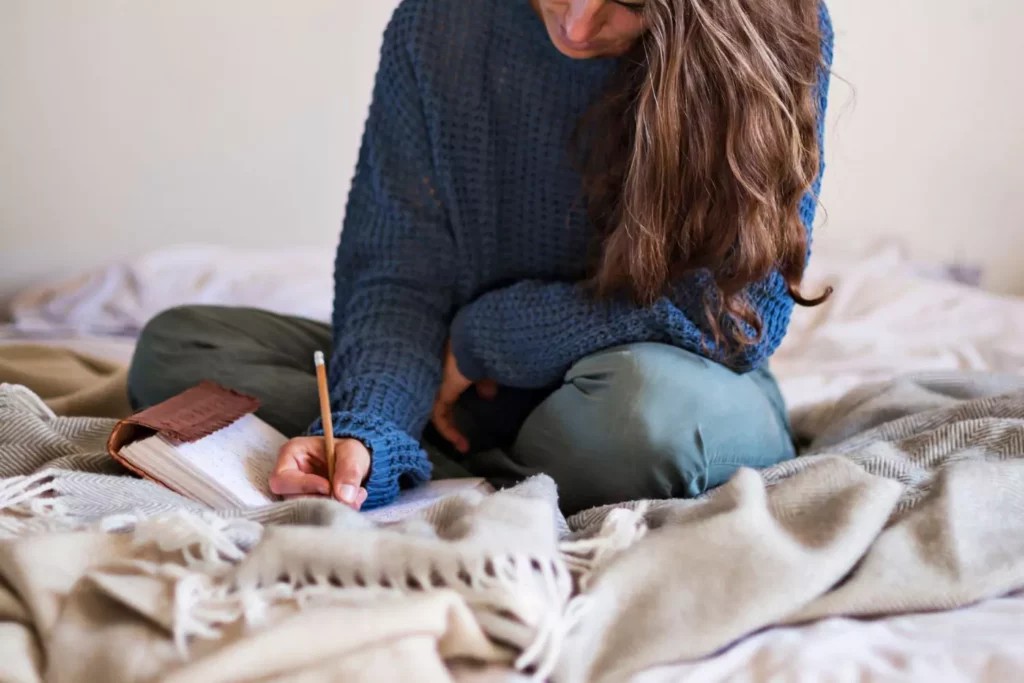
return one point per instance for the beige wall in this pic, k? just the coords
(931, 148)
(126, 125)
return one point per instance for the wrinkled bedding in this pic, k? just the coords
(885, 320)
(118, 299)
(889, 315)
(910, 500)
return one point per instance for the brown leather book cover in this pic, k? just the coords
(185, 418)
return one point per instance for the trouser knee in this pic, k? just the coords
(154, 374)
(651, 421)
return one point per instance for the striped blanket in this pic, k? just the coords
(909, 497)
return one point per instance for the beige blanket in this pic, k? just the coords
(70, 383)
(912, 499)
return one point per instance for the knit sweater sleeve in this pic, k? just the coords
(530, 333)
(393, 280)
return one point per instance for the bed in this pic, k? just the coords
(888, 317)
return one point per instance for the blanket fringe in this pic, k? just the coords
(206, 542)
(27, 505)
(586, 558)
(519, 599)
(18, 490)
(512, 594)
(508, 594)
(619, 530)
(200, 611)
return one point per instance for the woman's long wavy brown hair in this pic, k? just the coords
(700, 153)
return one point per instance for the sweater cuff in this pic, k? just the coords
(394, 455)
(462, 348)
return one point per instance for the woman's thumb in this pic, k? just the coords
(352, 462)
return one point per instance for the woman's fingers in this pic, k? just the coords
(351, 465)
(443, 414)
(299, 469)
(453, 385)
(443, 419)
(304, 452)
(296, 483)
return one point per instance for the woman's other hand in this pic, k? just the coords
(453, 385)
(301, 470)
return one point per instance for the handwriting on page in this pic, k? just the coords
(240, 458)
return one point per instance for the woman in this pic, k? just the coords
(603, 316)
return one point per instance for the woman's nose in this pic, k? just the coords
(581, 20)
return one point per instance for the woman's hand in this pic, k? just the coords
(301, 470)
(453, 385)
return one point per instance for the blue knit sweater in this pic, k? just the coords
(465, 221)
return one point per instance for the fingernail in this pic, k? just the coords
(323, 488)
(347, 493)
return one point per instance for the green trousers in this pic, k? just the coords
(638, 421)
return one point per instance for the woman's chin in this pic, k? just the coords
(579, 54)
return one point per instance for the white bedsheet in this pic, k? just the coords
(118, 299)
(886, 319)
(980, 644)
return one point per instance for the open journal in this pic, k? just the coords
(208, 445)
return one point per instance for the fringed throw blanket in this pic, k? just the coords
(911, 498)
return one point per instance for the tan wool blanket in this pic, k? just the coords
(911, 497)
(70, 383)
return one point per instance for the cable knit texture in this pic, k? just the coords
(466, 220)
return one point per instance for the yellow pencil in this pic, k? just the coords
(325, 414)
